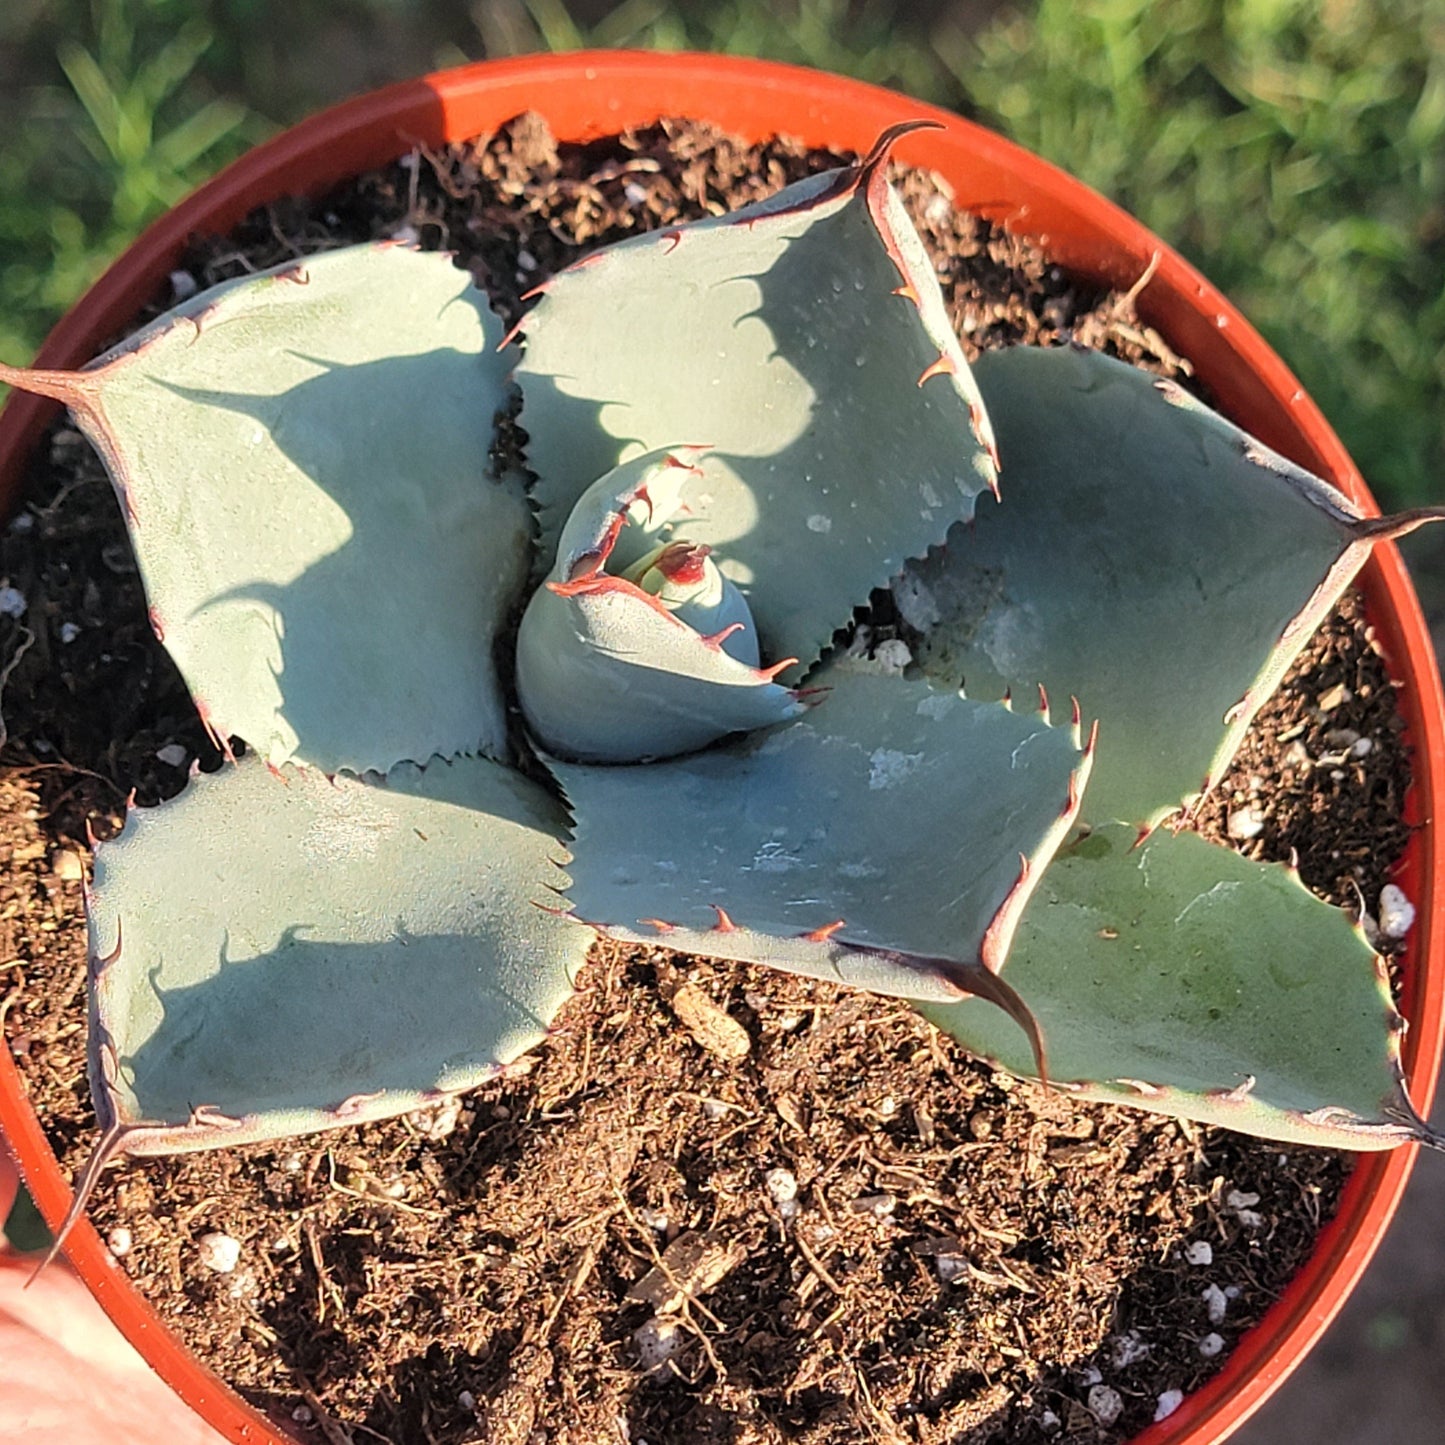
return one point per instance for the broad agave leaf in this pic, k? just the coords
(1181, 978)
(1148, 558)
(803, 341)
(302, 456)
(887, 840)
(280, 952)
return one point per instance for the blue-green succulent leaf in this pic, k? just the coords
(804, 343)
(614, 667)
(1147, 557)
(886, 840)
(302, 457)
(275, 953)
(1179, 977)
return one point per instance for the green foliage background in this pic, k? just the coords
(1293, 149)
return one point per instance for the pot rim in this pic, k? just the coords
(587, 94)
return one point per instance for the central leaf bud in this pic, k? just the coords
(638, 646)
(685, 580)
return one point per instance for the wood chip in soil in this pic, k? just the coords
(853, 1232)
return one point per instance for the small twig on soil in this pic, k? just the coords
(816, 1265)
(576, 1277)
(832, 1318)
(331, 1427)
(24, 770)
(325, 1290)
(890, 1433)
(1125, 300)
(26, 643)
(380, 1200)
(9, 999)
(685, 1300)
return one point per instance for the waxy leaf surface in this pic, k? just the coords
(896, 808)
(1147, 558)
(1180, 977)
(772, 337)
(302, 456)
(293, 952)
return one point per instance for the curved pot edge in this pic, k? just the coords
(586, 94)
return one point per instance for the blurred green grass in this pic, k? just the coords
(1293, 149)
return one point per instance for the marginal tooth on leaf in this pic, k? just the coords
(580, 264)
(1043, 703)
(1145, 1090)
(673, 460)
(1331, 1116)
(674, 240)
(983, 434)
(353, 1104)
(298, 275)
(1238, 1094)
(208, 1116)
(1073, 797)
(109, 1060)
(516, 328)
(997, 936)
(944, 366)
(1071, 803)
(908, 291)
(157, 626)
(724, 924)
(1008, 698)
(220, 743)
(716, 639)
(103, 961)
(130, 801)
(661, 925)
(767, 674)
(823, 934)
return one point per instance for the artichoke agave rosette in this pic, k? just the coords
(738, 429)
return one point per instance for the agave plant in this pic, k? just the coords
(491, 714)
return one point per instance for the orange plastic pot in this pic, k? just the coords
(593, 94)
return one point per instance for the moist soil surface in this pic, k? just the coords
(721, 1204)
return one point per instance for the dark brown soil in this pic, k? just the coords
(966, 1257)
